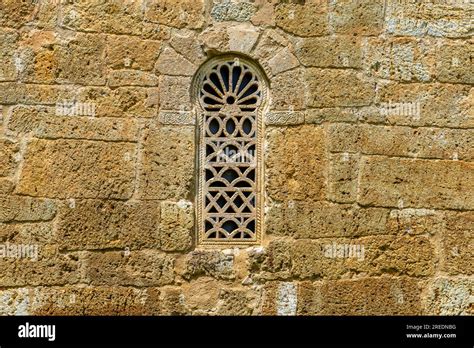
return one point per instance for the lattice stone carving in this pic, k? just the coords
(230, 95)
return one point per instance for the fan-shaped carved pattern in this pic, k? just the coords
(230, 95)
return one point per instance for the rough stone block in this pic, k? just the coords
(362, 17)
(309, 19)
(176, 13)
(176, 225)
(330, 52)
(81, 60)
(8, 151)
(18, 209)
(128, 52)
(447, 296)
(296, 174)
(212, 263)
(397, 182)
(174, 93)
(342, 178)
(105, 224)
(168, 163)
(45, 123)
(172, 63)
(352, 89)
(454, 62)
(136, 268)
(118, 78)
(77, 168)
(457, 242)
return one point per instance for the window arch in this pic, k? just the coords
(230, 94)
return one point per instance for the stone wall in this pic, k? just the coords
(369, 172)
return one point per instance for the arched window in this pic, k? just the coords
(230, 93)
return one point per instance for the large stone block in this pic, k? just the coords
(309, 19)
(288, 91)
(8, 45)
(342, 178)
(129, 52)
(362, 17)
(330, 52)
(8, 151)
(136, 268)
(176, 225)
(119, 78)
(106, 224)
(15, 14)
(210, 263)
(421, 142)
(117, 17)
(392, 182)
(78, 168)
(338, 87)
(369, 296)
(404, 59)
(449, 296)
(81, 60)
(45, 122)
(457, 241)
(174, 93)
(296, 163)
(176, 13)
(168, 163)
(454, 62)
(49, 268)
(441, 105)
(18, 209)
(122, 101)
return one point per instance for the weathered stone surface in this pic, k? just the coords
(176, 13)
(310, 19)
(437, 101)
(137, 268)
(76, 168)
(284, 60)
(31, 232)
(201, 294)
(105, 224)
(234, 302)
(6, 186)
(454, 62)
(174, 93)
(122, 101)
(288, 91)
(131, 52)
(330, 52)
(20, 93)
(8, 43)
(15, 14)
(232, 11)
(368, 296)
(242, 37)
(176, 225)
(363, 17)
(296, 174)
(46, 123)
(270, 44)
(457, 243)
(90, 300)
(186, 43)
(402, 141)
(411, 256)
(99, 16)
(49, 268)
(434, 18)
(352, 89)
(119, 78)
(212, 263)
(416, 183)
(321, 219)
(446, 296)
(81, 60)
(16, 208)
(343, 174)
(8, 151)
(171, 63)
(404, 59)
(168, 163)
